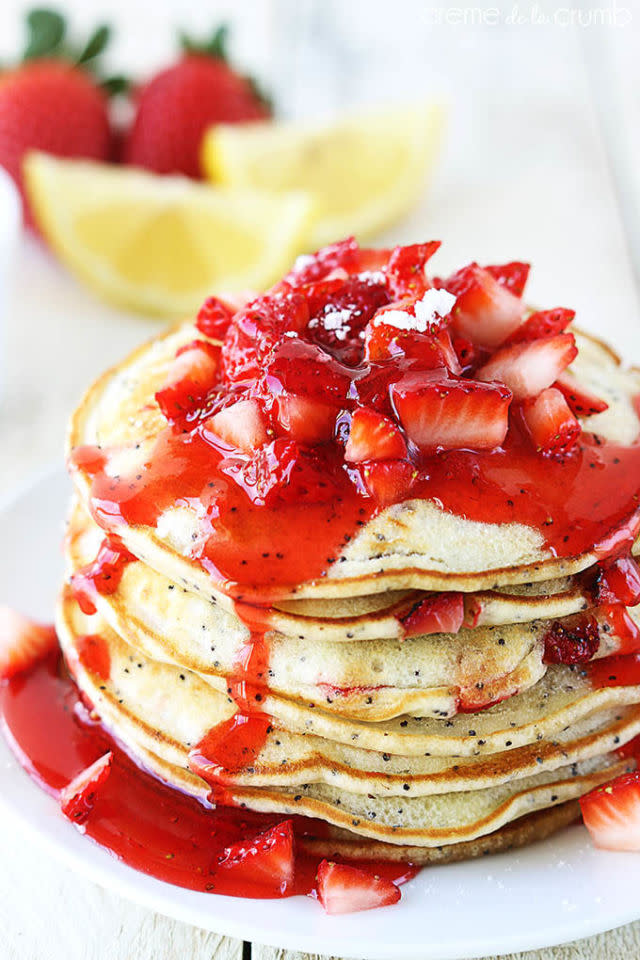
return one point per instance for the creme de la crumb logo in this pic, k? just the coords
(609, 15)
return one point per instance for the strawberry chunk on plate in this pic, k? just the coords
(78, 798)
(550, 423)
(529, 368)
(486, 312)
(22, 642)
(373, 437)
(438, 613)
(611, 813)
(448, 414)
(214, 318)
(267, 860)
(346, 889)
(242, 425)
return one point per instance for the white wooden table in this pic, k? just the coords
(539, 164)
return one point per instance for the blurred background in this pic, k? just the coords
(537, 160)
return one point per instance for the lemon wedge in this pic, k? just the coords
(365, 173)
(160, 245)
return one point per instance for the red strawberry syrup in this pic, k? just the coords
(138, 818)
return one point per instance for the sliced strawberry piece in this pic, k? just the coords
(346, 889)
(544, 323)
(405, 269)
(306, 420)
(266, 861)
(78, 798)
(618, 581)
(257, 328)
(583, 403)
(373, 437)
(552, 427)
(389, 481)
(485, 311)
(529, 368)
(22, 642)
(385, 341)
(467, 354)
(242, 425)
(447, 414)
(611, 813)
(214, 318)
(338, 322)
(372, 261)
(572, 640)
(439, 613)
(313, 267)
(306, 370)
(190, 378)
(513, 276)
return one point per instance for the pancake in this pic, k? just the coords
(434, 675)
(395, 550)
(154, 706)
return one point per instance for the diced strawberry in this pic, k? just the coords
(405, 269)
(257, 328)
(583, 403)
(529, 368)
(544, 323)
(214, 318)
(266, 861)
(611, 813)
(513, 276)
(572, 640)
(190, 378)
(306, 370)
(466, 352)
(78, 798)
(242, 425)
(373, 437)
(346, 889)
(22, 642)
(372, 261)
(486, 312)
(432, 349)
(552, 427)
(447, 414)
(282, 471)
(313, 267)
(618, 581)
(389, 481)
(338, 321)
(306, 420)
(439, 613)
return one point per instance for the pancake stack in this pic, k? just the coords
(426, 682)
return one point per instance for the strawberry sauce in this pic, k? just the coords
(138, 818)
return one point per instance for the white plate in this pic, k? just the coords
(551, 892)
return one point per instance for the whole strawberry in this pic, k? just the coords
(52, 100)
(177, 105)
